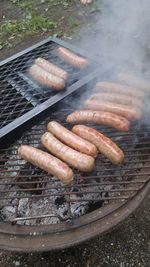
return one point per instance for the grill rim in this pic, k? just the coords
(65, 239)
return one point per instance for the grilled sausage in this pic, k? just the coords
(134, 81)
(119, 89)
(74, 158)
(71, 139)
(118, 98)
(50, 67)
(46, 162)
(99, 117)
(45, 78)
(130, 113)
(71, 58)
(103, 143)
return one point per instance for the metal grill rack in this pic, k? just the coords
(21, 98)
(106, 184)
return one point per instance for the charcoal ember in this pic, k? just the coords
(36, 207)
(27, 175)
(8, 213)
(83, 198)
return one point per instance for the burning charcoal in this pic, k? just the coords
(59, 201)
(94, 206)
(78, 209)
(28, 174)
(8, 212)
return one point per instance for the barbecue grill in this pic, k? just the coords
(38, 212)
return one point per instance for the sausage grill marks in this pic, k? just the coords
(129, 112)
(71, 139)
(99, 117)
(103, 143)
(71, 58)
(45, 78)
(51, 68)
(119, 89)
(74, 158)
(118, 98)
(46, 162)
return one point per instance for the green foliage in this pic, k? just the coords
(57, 17)
(32, 23)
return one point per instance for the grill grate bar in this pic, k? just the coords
(15, 112)
(24, 92)
(98, 168)
(123, 145)
(34, 217)
(72, 200)
(77, 185)
(3, 160)
(69, 193)
(36, 94)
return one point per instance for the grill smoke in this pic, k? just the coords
(119, 35)
(119, 38)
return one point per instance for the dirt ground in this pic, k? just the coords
(24, 22)
(129, 243)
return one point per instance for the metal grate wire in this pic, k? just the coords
(19, 94)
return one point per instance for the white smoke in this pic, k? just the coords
(119, 35)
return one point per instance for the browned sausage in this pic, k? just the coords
(119, 98)
(99, 117)
(119, 89)
(131, 113)
(71, 139)
(74, 158)
(45, 78)
(103, 143)
(46, 162)
(134, 81)
(52, 68)
(71, 58)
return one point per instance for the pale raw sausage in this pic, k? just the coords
(46, 162)
(71, 139)
(99, 117)
(74, 158)
(103, 143)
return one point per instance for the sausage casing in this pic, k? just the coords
(46, 162)
(103, 143)
(74, 158)
(52, 68)
(119, 89)
(118, 98)
(71, 139)
(129, 112)
(133, 80)
(45, 78)
(99, 117)
(72, 58)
